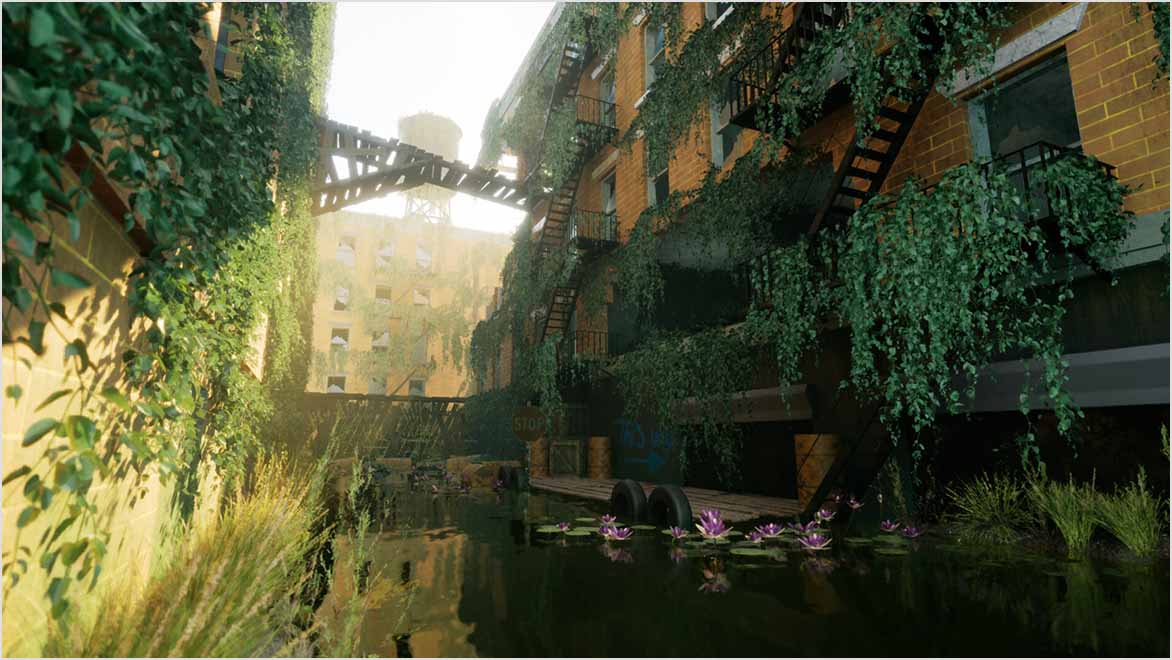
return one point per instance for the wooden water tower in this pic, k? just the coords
(440, 136)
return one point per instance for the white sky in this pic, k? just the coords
(451, 58)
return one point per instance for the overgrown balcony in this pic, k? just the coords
(592, 231)
(594, 125)
(753, 80)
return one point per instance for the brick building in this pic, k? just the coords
(1069, 76)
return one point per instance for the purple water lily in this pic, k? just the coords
(814, 542)
(770, 531)
(713, 529)
(755, 536)
(563, 526)
(854, 504)
(888, 526)
(620, 533)
(710, 515)
(606, 531)
(825, 514)
(608, 519)
(911, 531)
(677, 533)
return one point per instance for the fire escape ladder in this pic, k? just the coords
(561, 305)
(865, 165)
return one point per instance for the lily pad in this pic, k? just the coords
(584, 519)
(751, 552)
(735, 533)
(588, 530)
(890, 538)
(579, 532)
(548, 529)
(891, 551)
(667, 532)
(857, 540)
(645, 527)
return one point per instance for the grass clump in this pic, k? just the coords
(231, 587)
(1071, 507)
(1132, 515)
(989, 509)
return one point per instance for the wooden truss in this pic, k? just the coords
(376, 167)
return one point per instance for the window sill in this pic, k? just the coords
(720, 19)
(642, 98)
(639, 18)
(602, 65)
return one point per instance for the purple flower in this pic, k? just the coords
(888, 527)
(770, 531)
(755, 536)
(710, 515)
(825, 514)
(564, 526)
(606, 531)
(854, 504)
(608, 519)
(620, 533)
(497, 484)
(815, 542)
(911, 531)
(677, 533)
(712, 529)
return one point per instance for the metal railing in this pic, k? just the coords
(595, 111)
(593, 229)
(1024, 169)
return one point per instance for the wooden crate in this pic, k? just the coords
(567, 456)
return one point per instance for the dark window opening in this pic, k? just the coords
(1036, 106)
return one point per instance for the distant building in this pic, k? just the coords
(397, 301)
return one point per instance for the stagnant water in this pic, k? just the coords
(470, 575)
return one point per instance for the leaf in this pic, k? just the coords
(82, 432)
(36, 336)
(117, 398)
(68, 279)
(38, 430)
(64, 103)
(26, 516)
(17, 473)
(26, 242)
(13, 392)
(77, 348)
(52, 397)
(41, 30)
(71, 551)
(64, 525)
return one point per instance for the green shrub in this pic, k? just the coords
(1132, 515)
(989, 509)
(1072, 509)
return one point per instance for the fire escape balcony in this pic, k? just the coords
(754, 78)
(592, 231)
(595, 126)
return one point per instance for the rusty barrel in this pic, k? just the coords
(814, 453)
(539, 458)
(598, 457)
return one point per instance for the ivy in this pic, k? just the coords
(125, 87)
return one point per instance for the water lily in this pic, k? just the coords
(799, 528)
(620, 533)
(854, 504)
(755, 536)
(911, 531)
(825, 514)
(888, 526)
(677, 533)
(815, 542)
(713, 529)
(710, 516)
(606, 531)
(563, 526)
(770, 531)
(608, 519)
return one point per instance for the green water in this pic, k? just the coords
(470, 575)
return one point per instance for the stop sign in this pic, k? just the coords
(529, 423)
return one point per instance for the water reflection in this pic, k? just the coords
(469, 575)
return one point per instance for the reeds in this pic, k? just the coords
(989, 509)
(1071, 507)
(230, 589)
(1132, 515)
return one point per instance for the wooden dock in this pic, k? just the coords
(736, 508)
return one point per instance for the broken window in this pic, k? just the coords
(1035, 106)
(341, 299)
(336, 385)
(417, 387)
(340, 338)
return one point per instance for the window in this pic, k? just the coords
(417, 387)
(1035, 106)
(422, 257)
(347, 251)
(716, 11)
(386, 251)
(609, 94)
(382, 295)
(336, 385)
(379, 341)
(419, 353)
(423, 297)
(724, 132)
(378, 385)
(657, 185)
(609, 203)
(341, 299)
(340, 338)
(653, 51)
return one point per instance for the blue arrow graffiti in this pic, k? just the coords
(632, 437)
(653, 461)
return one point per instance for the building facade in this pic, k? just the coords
(397, 299)
(1069, 78)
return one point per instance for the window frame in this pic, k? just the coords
(978, 106)
(649, 58)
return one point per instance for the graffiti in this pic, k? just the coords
(658, 444)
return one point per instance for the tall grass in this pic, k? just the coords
(1071, 507)
(989, 509)
(231, 586)
(340, 628)
(1132, 515)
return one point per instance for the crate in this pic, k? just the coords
(567, 457)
